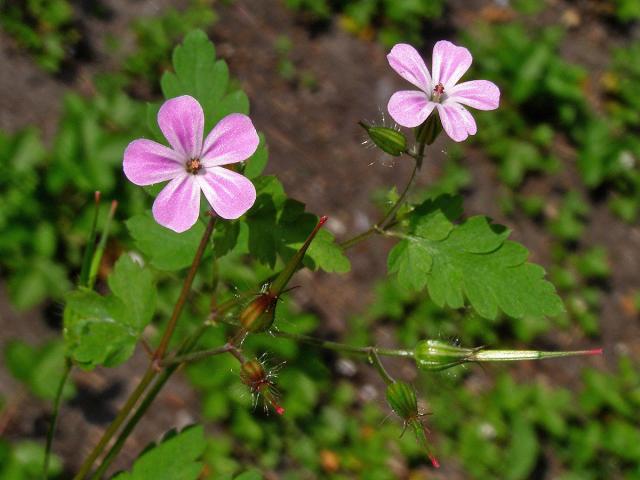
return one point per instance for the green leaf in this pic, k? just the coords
(165, 249)
(523, 451)
(134, 286)
(471, 260)
(103, 330)
(326, 254)
(176, 458)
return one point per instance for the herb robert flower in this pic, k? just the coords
(410, 108)
(192, 166)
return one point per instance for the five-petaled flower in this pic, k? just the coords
(192, 165)
(411, 108)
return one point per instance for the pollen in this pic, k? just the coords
(194, 166)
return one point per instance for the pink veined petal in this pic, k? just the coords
(450, 62)
(229, 193)
(147, 162)
(410, 108)
(232, 140)
(480, 94)
(408, 63)
(181, 120)
(178, 205)
(456, 121)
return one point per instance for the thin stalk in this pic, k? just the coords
(97, 256)
(392, 213)
(197, 355)
(374, 359)
(515, 355)
(54, 417)
(184, 293)
(153, 368)
(116, 423)
(342, 347)
(91, 244)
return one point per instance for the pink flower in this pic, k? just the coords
(192, 165)
(411, 108)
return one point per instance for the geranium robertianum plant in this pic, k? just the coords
(461, 262)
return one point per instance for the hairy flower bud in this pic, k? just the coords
(437, 355)
(386, 139)
(259, 315)
(261, 383)
(402, 400)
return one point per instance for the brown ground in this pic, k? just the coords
(315, 150)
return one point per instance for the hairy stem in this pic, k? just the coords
(374, 359)
(54, 417)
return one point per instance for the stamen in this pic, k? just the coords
(194, 166)
(438, 90)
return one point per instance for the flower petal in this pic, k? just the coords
(147, 162)
(410, 107)
(181, 120)
(450, 62)
(408, 63)
(456, 121)
(480, 94)
(178, 205)
(232, 140)
(229, 193)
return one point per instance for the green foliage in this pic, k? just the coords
(156, 37)
(45, 27)
(472, 259)
(175, 458)
(103, 330)
(23, 461)
(394, 21)
(39, 368)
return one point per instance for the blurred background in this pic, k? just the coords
(557, 163)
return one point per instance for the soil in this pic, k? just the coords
(315, 149)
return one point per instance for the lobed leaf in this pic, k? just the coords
(471, 260)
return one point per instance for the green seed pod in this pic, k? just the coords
(402, 400)
(436, 355)
(387, 139)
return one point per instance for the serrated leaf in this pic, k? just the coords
(176, 458)
(473, 261)
(165, 249)
(326, 254)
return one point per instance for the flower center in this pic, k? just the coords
(438, 91)
(194, 166)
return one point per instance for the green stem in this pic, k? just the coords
(186, 287)
(97, 256)
(515, 355)
(91, 244)
(197, 355)
(342, 347)
(54, 417)
(374, 359)
(153, 368)
(384, 223)
(117, 422)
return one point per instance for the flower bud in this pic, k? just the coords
(261, 383)
(259, 315)
(386, 139)
(402, 400)
(429, 130)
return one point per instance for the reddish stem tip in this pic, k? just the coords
(279, 410)
(322, 220)
(114, 205)
(434, 461)
(595, 351)
(97, 196)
